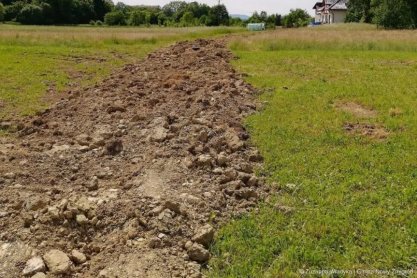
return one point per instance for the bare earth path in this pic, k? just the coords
(132, 177)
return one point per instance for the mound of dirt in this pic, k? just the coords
(130, 178)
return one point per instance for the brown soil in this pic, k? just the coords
(356, 109)
(368, 130)
(131, 171)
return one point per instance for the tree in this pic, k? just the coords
(61, 10)
(30, 14)
(115, 18)
(393, 14)
(187, 19)
(278, 20)
(1, 12)
(273, 20)
(174, 9)
(203, 20)
(218, 15)
(162, 18)
(359, 11)
(413, 9)
(139, 17)
(198, 10)
(296, 18)
(263, 16)
(11, 11)
(82, 11)
(47, 13)
(101, 7)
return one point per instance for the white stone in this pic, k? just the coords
(33, 266)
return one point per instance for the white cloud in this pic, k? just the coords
(243, 6)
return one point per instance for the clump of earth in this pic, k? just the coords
(132, 177)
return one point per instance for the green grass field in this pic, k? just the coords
(345, 201)
(38, 63)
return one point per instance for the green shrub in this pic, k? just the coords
(296, 18)
(187, 19)
(138, 18)
(115, 18)
(99, 23)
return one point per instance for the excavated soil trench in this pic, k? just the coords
(132, 177)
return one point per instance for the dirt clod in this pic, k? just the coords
(114, 147)
(196, 252)
(57, 262)
(367, 130)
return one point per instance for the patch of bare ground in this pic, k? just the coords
(132, 177)
(368, 130)
(356, 109)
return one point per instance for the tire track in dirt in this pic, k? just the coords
(130, 178)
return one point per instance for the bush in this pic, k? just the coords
(99, 23)
(115, 18)
(30, 14)
(187, 19)
(296, 18)
(138, 18)
(162, 19)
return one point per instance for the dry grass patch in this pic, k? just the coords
(345, 36)
(356, 109)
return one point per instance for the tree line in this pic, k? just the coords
(54, 11)
(98, 12)
(392, 14)
(176, 13)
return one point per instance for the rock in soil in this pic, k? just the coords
(127, 171)
(57, 262)
(78, 257)
(34, 266)
(204, 235)
(196, 252)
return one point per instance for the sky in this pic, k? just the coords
(246, 7)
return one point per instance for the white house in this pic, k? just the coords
(330, 11)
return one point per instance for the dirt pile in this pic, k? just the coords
(132, 177)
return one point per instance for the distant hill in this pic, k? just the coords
(241, 16)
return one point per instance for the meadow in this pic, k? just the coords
(338, 133)
(40, 62)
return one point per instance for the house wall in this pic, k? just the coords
(339, 16)
(317, 17)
